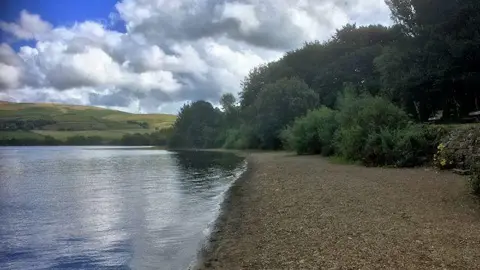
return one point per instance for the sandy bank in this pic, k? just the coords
(305, 213)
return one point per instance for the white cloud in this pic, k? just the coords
(244, 13)
(172, 51)
(9, 76)
(92, 67)
(10, 68)
(29, 26)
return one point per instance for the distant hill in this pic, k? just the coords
(61, 120)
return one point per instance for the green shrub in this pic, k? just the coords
(349, 142)
(378, 133)
(366, 122)
(379, 148)
(474, 179)
(413, 146)
(242, 138)
(371, 114)
(406, 147)
(313, 133)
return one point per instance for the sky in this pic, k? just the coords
(154, 55)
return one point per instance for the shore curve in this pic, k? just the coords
(303, 212)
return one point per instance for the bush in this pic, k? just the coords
(349, 142)
(474, 179)
(367, 122)
(277, 106)
(313, 133)
(404, 147)
(413, 146)
(242, 138)
(379, 148)
(371, 114)
(378, 133)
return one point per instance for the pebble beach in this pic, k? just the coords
(305, 212)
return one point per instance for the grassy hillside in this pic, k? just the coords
(62, 121)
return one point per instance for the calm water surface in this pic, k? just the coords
(98, 208)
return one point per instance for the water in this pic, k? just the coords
(98, 208)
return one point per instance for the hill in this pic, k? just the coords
(62, 121)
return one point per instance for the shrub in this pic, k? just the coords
(313, 133)
(378, 133)
(277, 106)
(404, 147)
(379, 148)
(474, 179)
(349, 142)
(371, 114)
(443, 158)
(365, 122)
(242, 138)
(413, 146)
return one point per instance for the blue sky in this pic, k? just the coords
(59, 13)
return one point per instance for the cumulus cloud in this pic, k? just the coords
(275, 24)
(29, 26)
(10, 68)
(171, 52)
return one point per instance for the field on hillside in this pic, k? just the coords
(20, 135)
(105, 134)
(81, 118)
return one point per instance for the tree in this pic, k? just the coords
(436, 64)
(227, 101)
(196, 126)
(277, 106)
(258, 77)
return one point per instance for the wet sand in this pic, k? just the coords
(303, 212)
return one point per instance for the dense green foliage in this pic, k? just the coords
(363, 119)
(197, 126)
(23, 124)
(367, 129)
(474, 179)
(312, 134)
(362, 95)
(276, 106)
(22, 138)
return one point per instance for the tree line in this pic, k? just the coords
(157, 138)
(362, 94)
(24, 124)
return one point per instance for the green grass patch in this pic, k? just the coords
(21, 135)
(105, 134)
(83, 118)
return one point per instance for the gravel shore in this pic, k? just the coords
(291, 212)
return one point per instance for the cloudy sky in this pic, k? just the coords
(155, 54)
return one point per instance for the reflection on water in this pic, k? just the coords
(77, 208)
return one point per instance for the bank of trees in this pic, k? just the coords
(395, 77)
(156, 138)
(23, 124)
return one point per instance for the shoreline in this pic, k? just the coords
(225, 212)
(303, 212)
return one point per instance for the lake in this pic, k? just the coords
(109, 208)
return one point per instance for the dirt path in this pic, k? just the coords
(306, 213)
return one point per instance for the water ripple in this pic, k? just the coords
(92, 208)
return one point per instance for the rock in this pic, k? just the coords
(462, 148)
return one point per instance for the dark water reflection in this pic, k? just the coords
(78, 208)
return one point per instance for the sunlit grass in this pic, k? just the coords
(105, 134)
(84, 118)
